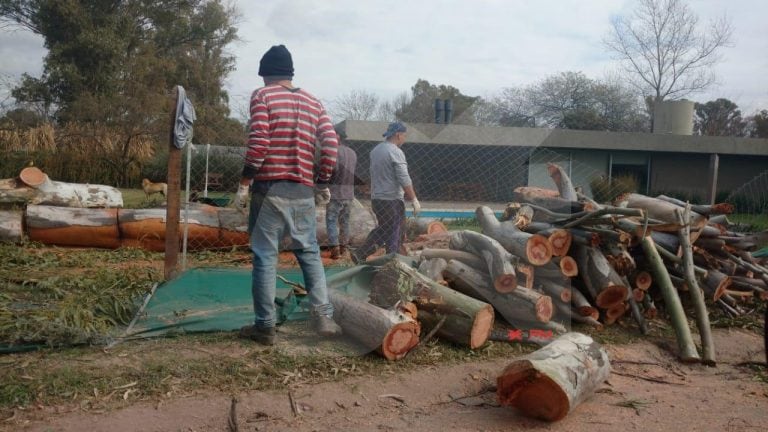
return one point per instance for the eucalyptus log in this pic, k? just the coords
(613, 313)
(649, 308)
(500, 262)
(69, 226)
(663, 211)
(715, 284)
(549, 383)
(687, 350)
(703, 209)
(563, 182)
(390, 332)
(538, 197)
(642, 280)
(559, 239)
(525, 274)
(11, 226)
(566, 312)
(568, 266)
(521, 304)
(556, 290)
(433, 269)
(419, 226)
(35, 188)
(396, 282)
(533, 248)
(467, 258)
(601, 279)
(583, 307)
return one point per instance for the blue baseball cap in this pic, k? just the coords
(393, 128)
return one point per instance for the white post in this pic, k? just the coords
(207, 151)
(186, 210)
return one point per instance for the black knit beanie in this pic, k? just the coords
(276, 61)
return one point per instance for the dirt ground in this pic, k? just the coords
(648, 390)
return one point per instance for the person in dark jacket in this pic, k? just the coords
(342, 187)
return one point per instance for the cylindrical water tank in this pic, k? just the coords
(673, 117)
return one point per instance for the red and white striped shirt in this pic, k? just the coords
(284, 129)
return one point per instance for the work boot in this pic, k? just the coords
(262, 335)
(325, 326)
(335, 252)
(342, 250)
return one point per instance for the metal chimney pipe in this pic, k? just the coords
(438, 111)
(448, 111)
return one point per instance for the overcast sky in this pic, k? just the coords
(477, 46)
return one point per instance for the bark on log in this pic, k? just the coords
(663, 211)
(525, 274)
(687, 350)
(560, 240)
(706, 210)
(418, 226)
(697, 296)
(553, 204)
(35, 188)
(390, 332)
(582, 306)
(68, 226)
(467, 258)
(398, 282)
(519, 305)
(500, 262)
(560, 291)
(563, 182)
(433, 269)
(649, 308)
(549, 383)
(613, 313)
(11, 226)
(532, 248)
(600, 278)
(715, 284)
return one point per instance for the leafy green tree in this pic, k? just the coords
(759, 125)
(421, 107)
(720, 117)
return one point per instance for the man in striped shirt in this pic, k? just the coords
(287, 129)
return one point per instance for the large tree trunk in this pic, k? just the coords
(532, 248)
(467, 258)
(418, 226)
(361, 222)
(67, 226)
(663, 211)
(390, 332)
(549, 383)
(521, 304)
(398, 282)
(11, 226)
(433, 269)
(34, 187)
(500, 263)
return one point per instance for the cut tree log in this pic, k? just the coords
(563, 182)
(391, 333)
(697, 295)
(519, 305)
(715, 284)
(433, 269)
(532, 248)
(396, 282)
(538, 198)
(419, 226)
(568, 266)
(663, 211)
(649, 308)
(687, 350)
(706, 210)
(600, 278)
(500, 262)
(582, 306)
(525, 274)
(556, 290)
(642, 280)
(613, 313)
(35, 188)
(559, 239)
(467, 258)
(549, 383)
(69, 226)
(11, 226)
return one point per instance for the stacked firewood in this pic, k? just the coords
(556, 256)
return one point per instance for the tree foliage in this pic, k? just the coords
(421, 106)
(570, 100)
(758, 125)
(719, 117)
(111, 66)
(664, 50)
(355, 105)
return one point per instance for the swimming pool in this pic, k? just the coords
(446, 214)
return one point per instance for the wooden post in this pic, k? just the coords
(714, 166)
(173, 207)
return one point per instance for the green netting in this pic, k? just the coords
(216, 299)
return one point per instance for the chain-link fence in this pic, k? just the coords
(450, 180)
(750, 203)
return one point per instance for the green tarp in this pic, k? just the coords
(216, 299)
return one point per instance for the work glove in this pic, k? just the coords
(322, 196)
(416, 206)
(241, 198)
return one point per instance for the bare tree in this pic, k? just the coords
(355, 105)
(661, 46)
(387, 110)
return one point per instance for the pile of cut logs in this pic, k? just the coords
(557, 257)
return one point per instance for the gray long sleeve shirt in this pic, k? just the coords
(342, 183)
(389, 172)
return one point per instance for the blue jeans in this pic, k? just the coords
(390, 215)
(280, 209)
(337, 221)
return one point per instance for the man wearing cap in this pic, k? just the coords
(342, 187)
(285, 126)
(390, 183)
